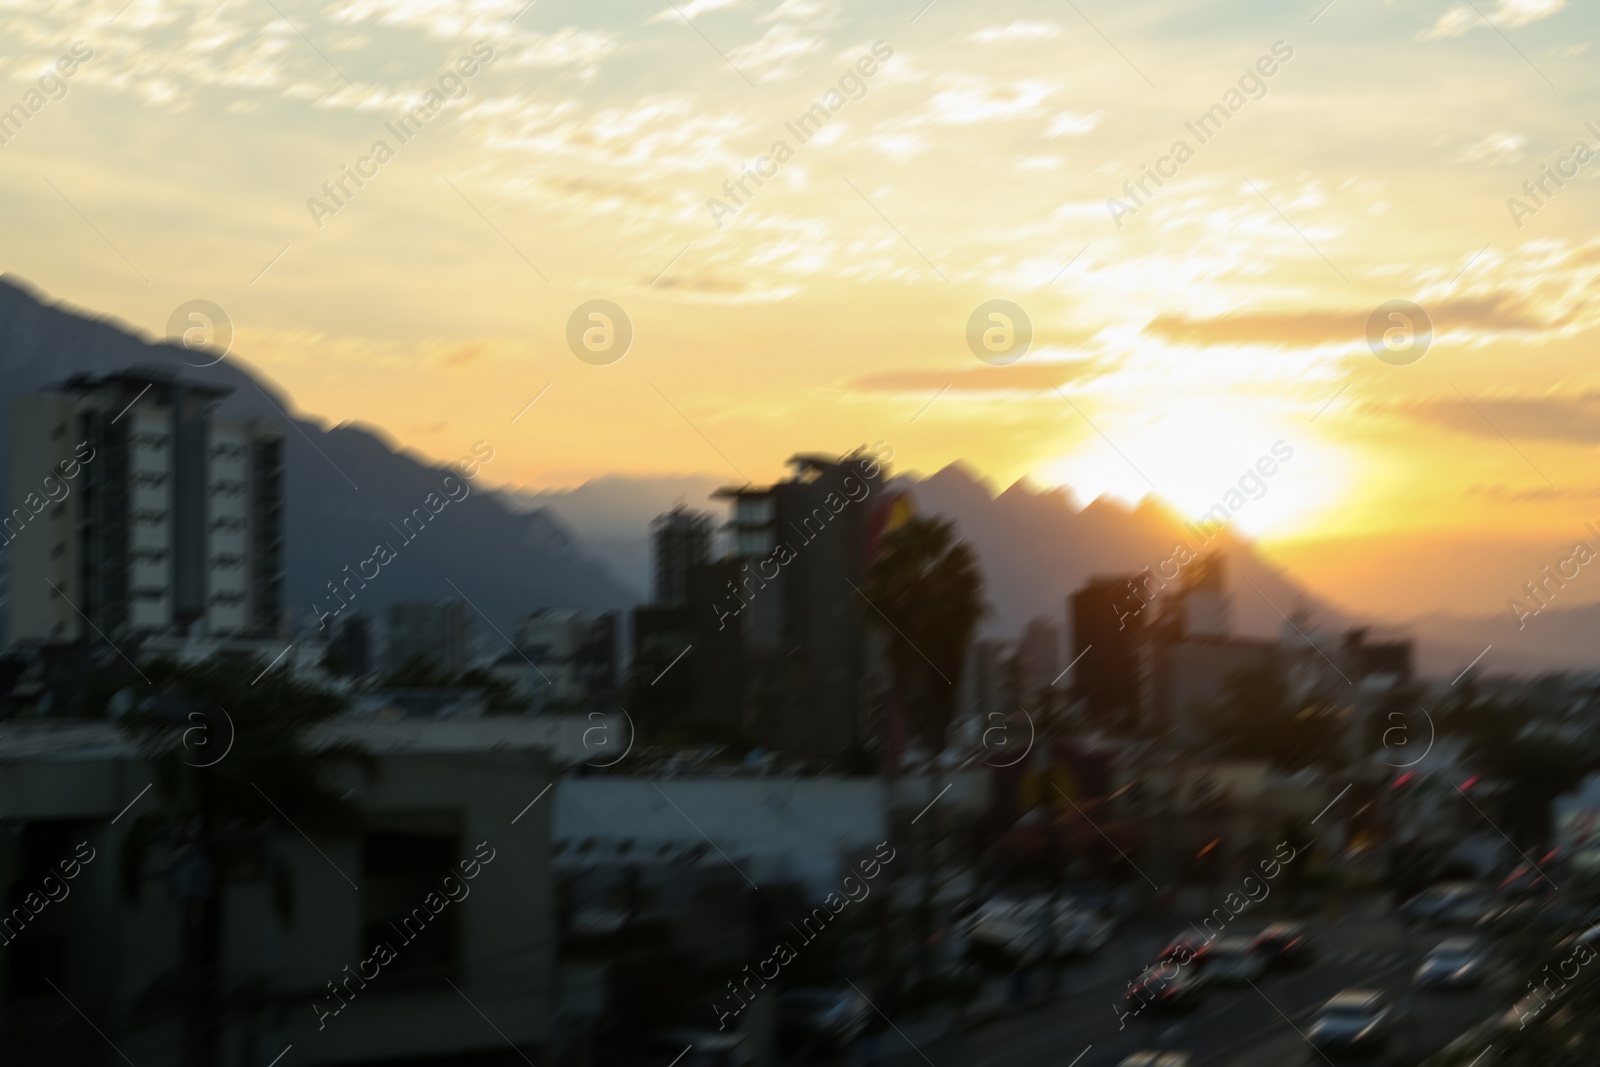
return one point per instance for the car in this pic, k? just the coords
(1167, 988)
(1455, 963)
(1235, 961)
(1285, 945)
(1157, 1059)
(822, 1019)
(1472, 907)
(1014, 928)
(1589, 939)
(1081, 931)
(697, 1048)
(1186, 949)
(1431, 905)
(1356, 1022)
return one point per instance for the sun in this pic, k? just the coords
(1270, 474)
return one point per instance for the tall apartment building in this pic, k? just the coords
(1107, 632)
(679, 539)
(800, 548)
(575, 653)
(1039, 653)
(134, 511)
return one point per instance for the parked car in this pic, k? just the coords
(1172, 988)
(1455, 963)
(1589, 938)
(1014, 927)
(1235, 961)
(1157, 1059)
(1186, 948)
(1285, 945)
(1081, 931)
(1453, 904)
(821, 1019)
(1022, 928)
(1473, 907)
(1356, 1021)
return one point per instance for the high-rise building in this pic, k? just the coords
(679, 539)
(135, 511)
(799, 550)
(1039, 654)
(574, 652)
(440, 632)
(350, 646)
(1107, 630)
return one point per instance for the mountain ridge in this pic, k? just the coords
(347, 483)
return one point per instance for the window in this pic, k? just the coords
(39, 951)
(399, 871)
(754, 509)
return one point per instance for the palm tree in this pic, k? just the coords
(926, 594)
(231, 763)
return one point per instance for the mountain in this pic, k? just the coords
(345, 485)
(1036, 546)
(613, 513)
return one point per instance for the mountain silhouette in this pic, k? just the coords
(345, 484)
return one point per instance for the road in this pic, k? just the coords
(1235, 1027)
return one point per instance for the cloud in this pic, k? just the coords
(1511, 495)
(1023, 377)
(1574, 419)
(691, 8)
(1494, 149)
(1020, 30)
(1491, 313)
(969, 100)
(1073, 123)
(1507, 14)
(778, 52)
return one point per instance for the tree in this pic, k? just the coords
(925, 592)
(1533, 770)
(231, 762)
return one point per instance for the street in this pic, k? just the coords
(1235, 1026)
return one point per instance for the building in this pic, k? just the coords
(1191, 650)
(1038, 655)
(349, 652)
(571, 654)
(799, 550)
(438, 632)
(430, 807)
(135, 511)
(1188, 674)
(990, 681)
(688, 674)
(679, 540)
(1107, 627)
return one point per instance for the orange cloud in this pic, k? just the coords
(1017, 377)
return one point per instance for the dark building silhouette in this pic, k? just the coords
(350, 647)
(679, 539)
(1107, 633)
(1365, 658)
(1038, 654)
(800, 547)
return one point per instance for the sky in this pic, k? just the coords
(1180, 332)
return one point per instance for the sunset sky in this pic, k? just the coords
(1170, 352)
